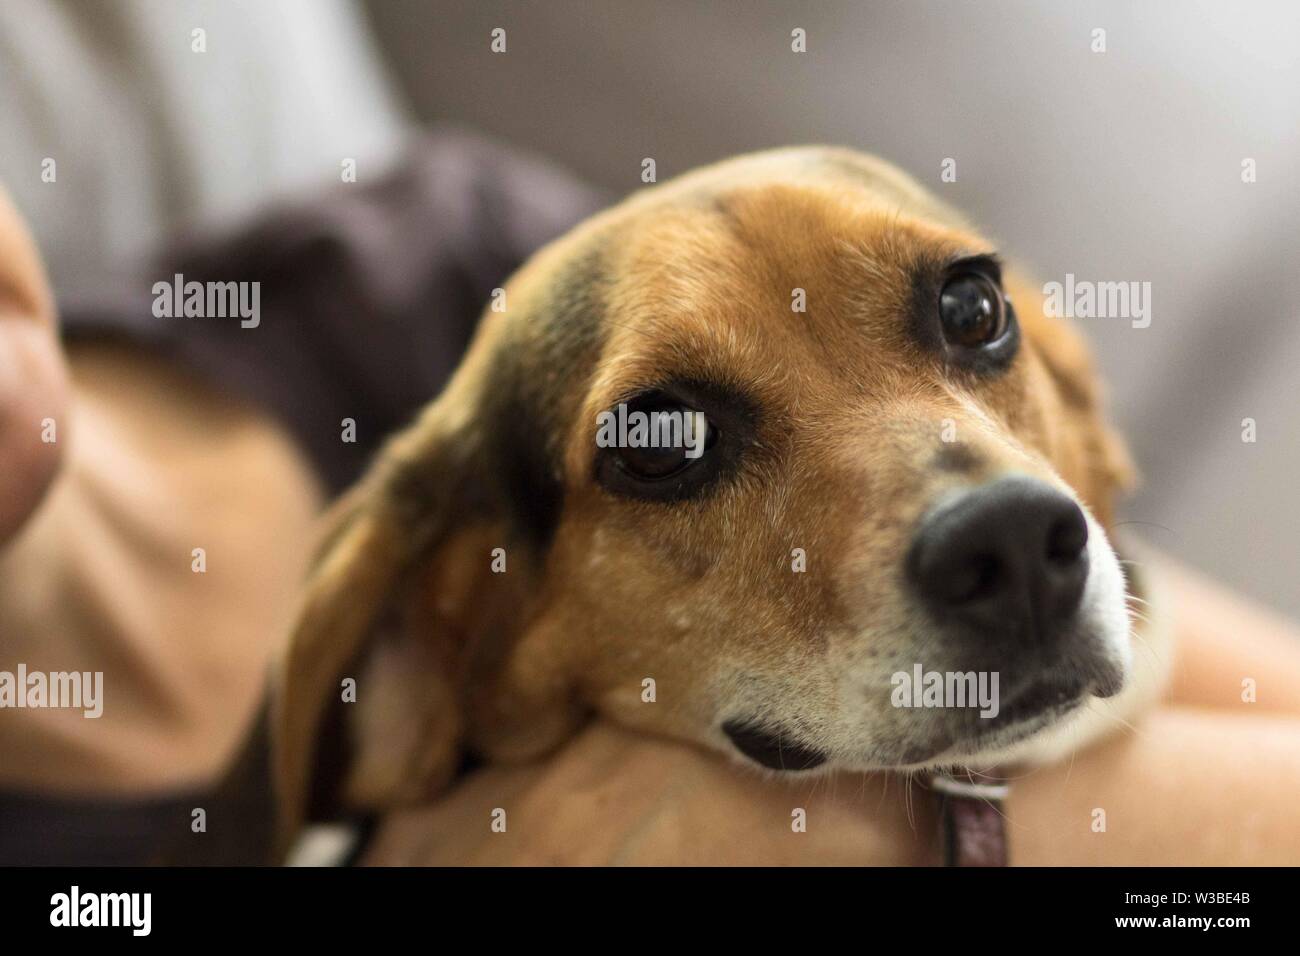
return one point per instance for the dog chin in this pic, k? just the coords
(1013, 743)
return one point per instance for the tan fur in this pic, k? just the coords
(699, 596)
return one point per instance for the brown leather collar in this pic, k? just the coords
(972, 821)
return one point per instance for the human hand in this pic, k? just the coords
(33, 376)
(615, 797)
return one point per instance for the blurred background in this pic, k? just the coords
(1122, 165)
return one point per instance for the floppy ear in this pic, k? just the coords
(403, 600)
(1097, 460)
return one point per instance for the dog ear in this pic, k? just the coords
(1094, 458)
(368, 703)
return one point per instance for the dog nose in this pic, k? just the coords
(1008, 557)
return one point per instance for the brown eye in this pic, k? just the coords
(652, 462)
(663, 439)
(972, 311)
(674, 442)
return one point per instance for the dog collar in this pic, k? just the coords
(972, 822)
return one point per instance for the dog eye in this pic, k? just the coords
(657, 438)
(972, 311)
(653, 464)
(657, 447)
(676, 441)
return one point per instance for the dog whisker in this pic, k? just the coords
(1124, 724)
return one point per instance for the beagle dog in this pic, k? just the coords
(895, 471)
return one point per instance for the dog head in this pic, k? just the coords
(876, 464)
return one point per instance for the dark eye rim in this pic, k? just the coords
(990, 357)
(732, 423)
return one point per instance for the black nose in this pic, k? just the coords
(1008, 558)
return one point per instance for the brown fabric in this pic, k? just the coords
(370, 291)
(41, 830)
